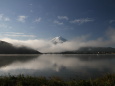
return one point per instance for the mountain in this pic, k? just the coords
(92, 50)
(7, 48)
(57, 40)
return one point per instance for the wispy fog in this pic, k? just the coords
(47, 46)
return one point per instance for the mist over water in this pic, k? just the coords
(65, 66)
(45, 46)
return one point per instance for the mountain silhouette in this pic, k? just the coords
(92, 50)
(7, 48)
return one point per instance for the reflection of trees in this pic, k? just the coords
(96, 57)
(91, 57)
(84, 66)
(6, 60)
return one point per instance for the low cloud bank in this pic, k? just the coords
(82, 41)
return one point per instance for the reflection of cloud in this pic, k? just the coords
(63, 62)
(9, 59)
(43, 63)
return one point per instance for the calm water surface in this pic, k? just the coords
(64, 66)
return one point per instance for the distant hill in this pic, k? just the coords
(7, 48)
(92, 50)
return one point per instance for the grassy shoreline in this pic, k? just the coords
(21, 80)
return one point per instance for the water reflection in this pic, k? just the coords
(9, 59)
(66, 66)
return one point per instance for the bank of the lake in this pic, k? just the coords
(21, 80)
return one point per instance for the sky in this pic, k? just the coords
(91, 20)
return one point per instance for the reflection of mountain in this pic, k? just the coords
(92, 50)
(6, 60)
(7, 48)
(90, 57)
(60, 65)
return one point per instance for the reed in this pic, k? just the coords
(21, 80)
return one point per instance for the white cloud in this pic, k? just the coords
(30, 4)
(1, 16)
(38, 20)
(31, 11)
(18, 35)
(82, 20)
(63, 17)
(22, 18)
(15, 34)
(111, 33)
(111, 21)
(5, 26)
(58, 22)
(4, 18)
(82, 41)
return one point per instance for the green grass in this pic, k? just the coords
(21, 80)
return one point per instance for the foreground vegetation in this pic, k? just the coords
(21, 80)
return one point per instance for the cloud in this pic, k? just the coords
(63, 18)
(74, 44)
(110, 33)
(111, 21)
(18, 35)
(22, 18)
(1, 16)
(4, 18)
(15, 34)
(38, 20)
(58, 22)
(5, 26)
(31, 11)
(82, 20)
(30, 4)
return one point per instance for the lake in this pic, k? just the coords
(66, 66)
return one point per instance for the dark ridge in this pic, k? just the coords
(91, 50)
(7, 48)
